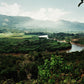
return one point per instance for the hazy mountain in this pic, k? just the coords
(11, 21)
(27, 23)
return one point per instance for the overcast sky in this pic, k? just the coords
(52, 10)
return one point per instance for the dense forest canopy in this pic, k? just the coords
(26, 57)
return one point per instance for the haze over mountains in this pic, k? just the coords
(29, 24)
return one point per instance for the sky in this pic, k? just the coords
(52, 10)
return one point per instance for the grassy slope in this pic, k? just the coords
(15, 35)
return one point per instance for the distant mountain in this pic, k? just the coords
(29, 24)
(11, 21)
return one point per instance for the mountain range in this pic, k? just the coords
(29, 24)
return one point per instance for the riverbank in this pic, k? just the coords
(74, 48)
(77, 44)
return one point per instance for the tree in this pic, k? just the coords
(50, 72)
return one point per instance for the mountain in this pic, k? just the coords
(12, 21)
(29, 24)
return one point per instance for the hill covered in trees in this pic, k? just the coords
(28, 24)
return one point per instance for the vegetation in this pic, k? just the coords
(41, 68)
(65, 36)
(26, 45)
(27, 59)
(79, 41)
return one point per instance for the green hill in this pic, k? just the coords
(29, 24)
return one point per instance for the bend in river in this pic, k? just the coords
(75, 48)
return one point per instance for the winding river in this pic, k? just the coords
(75, 48)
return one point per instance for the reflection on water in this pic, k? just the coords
(75, 48)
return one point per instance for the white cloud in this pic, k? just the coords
(42, 14)
(46, 14)
(11, 10)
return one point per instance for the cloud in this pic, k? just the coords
(46, 14)
(10, 10)
(41, 14)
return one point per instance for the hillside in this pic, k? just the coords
(29, 24)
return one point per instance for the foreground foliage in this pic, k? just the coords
(38, 61)
(41, 68)
(56, 70)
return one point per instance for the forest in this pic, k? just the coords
(34, 60)
(41, 42)
(27, 45)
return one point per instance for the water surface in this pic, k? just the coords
(75, 48)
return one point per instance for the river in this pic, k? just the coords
(75, 48)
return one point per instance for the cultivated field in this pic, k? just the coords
(16, 35)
